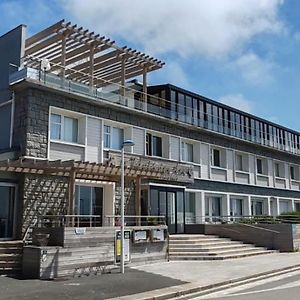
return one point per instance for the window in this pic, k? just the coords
(88, 201)
(279, 169)
(113, 137)
(190, 208)
(55, 127)
(186, 151)
(242, 162)
(294, 172)
(63, 128)
(256, 207)
(259, 167)
(216, 158)
(239, 162)
(153, 145)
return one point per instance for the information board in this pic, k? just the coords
(126, 246)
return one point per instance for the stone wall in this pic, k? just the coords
(43, 195)
(36, 124)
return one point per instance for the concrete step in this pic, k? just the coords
(213, 248)
(204, 242)
(11, 244)
(5, 250)
(10, 257)
(219, 257)
(216, 253)
(191, 236)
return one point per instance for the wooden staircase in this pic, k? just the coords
(208, 247)
(11, 258)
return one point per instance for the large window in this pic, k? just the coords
(153, 145)
(241, 162)
(64, 128)
(89, 201)
(113, 137)
(186, 151)
(262, 166)
(294, 172)
(190, 208)
(218, 157)
(256, 207)
(279, 169)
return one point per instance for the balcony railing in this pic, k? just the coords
(137, 100)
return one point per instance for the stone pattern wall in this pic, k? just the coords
(36, 121)
(43, 195)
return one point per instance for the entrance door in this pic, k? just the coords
(7, 209)
(89, 202)
(168, 202)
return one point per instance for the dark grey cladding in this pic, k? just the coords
(225, 187)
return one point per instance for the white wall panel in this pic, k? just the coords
(93, 140)
(66, 152)
(138, 136)
(205, 160)
(174, 148)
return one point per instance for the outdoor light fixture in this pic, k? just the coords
(127, 143)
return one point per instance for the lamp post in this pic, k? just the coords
(129, 143)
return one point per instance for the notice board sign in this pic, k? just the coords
(158, 235)
(118, 246)
(140, 236)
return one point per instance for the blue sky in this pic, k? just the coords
(241, 52)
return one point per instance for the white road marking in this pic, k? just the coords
(235, 290)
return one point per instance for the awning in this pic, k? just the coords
(85, 56)
(108, 171)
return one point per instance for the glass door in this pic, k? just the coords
(168, 202)
(7, 211)
(89, 201)
(179, 212)
(171, 216)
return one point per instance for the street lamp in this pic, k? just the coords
(126, 143)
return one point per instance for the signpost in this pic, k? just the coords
(118, 246)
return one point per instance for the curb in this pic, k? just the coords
(185, 291)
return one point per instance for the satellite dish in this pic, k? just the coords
(45, 64)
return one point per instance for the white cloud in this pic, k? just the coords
(174, 74)
(211, 28)
(254, 69)
(237, 101)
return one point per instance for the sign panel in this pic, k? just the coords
(80, 231)
(126, 246)
(158, 235)
(140, 236)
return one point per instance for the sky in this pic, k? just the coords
(244, 53)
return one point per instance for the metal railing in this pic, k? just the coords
(115, 220)
(97, 220)
(243, 219)
(69, 221)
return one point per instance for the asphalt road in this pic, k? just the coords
(93, 287)
(284, 287)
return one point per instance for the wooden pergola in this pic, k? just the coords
(136, 168)
(81, 55)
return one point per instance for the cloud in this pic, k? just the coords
(210, 28)
(174, 74)
(254, 69)
(237, 101)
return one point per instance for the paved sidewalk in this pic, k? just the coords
(148, 281)
(212, 273)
